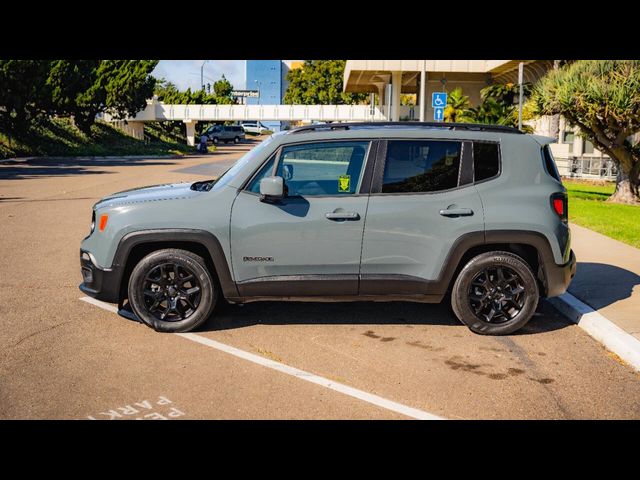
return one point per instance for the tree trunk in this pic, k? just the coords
(626, 189)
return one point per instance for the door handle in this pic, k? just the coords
(456, 212)
(342, 215)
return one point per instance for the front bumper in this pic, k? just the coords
(559, 276)
(97, 282)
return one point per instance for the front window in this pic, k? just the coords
(237, 167)
(331, 168)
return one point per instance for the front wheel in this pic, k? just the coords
(171, 290)
(236, 140)
(496, 293)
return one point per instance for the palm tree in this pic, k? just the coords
(457, 103)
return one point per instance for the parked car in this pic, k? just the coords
(350, 212)
(225, 133)
(255, 128)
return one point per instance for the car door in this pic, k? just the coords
(308, 243)
(422, 201)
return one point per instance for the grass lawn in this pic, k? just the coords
(587, 207)
(59, 137)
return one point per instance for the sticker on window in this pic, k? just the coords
(344, 183)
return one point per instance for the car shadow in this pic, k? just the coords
(600, 285)
(229, 317)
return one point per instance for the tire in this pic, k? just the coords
(236, 140)
(152, 284)
(215, 140)
(480, 289)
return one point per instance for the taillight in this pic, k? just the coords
(560, 205)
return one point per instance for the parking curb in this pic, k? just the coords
(615, 339)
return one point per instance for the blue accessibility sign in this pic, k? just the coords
(439, 99)
(438, 114)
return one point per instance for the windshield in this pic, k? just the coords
(230, 174)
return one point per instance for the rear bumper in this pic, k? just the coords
(559, 276)
(98, 282)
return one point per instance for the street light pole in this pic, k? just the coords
(202, 74)
(259, 85)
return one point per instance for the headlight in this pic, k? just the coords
(93, 222)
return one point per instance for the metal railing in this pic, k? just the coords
(592, 167)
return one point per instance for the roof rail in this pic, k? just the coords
(427, 125)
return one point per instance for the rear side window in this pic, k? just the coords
(486, 160)
(550, 163)
(421, 166)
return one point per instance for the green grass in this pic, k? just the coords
(59, 137)
(587, 207)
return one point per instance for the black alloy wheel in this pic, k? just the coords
(497, 294)
(171, 292)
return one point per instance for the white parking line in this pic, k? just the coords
(295, 372)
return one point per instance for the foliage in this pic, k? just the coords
(222, 90)
(23, 92)
(588, 208)
(602, 98)
(457, 104)
(320, 82)
(84, 88)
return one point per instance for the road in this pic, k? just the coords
(64, 358)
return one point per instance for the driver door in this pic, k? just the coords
(308, 243)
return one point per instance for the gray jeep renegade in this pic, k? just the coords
(345, 212)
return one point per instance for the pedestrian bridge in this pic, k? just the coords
(191, 114)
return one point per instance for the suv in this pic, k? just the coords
(225, 133)
(255, 128)
(349, 212)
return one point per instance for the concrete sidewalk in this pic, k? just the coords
(608, 277)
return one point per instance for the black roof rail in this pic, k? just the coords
(483, 127)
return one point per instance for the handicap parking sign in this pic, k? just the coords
(439, 99)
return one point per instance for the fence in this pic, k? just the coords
(585, 166)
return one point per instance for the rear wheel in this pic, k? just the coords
(496, 293)
(215, 140)
(171, 290)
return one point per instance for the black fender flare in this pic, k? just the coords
(202, 237)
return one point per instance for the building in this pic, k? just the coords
(269, 78)
(390, 78)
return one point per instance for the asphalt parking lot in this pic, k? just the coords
(61, 357)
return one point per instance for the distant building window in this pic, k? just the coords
(567, 137)
(588, 147)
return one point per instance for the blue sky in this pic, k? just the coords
(186, 73)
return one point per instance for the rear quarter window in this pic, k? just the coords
(550, 163)
(486, 160)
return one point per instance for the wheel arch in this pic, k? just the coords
(533, 247)
(136, 245)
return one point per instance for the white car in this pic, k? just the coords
(254, 127)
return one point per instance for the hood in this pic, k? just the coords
(154, 193)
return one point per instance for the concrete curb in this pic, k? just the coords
(615, 339)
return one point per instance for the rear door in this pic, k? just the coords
(308, 243)
(422, 200)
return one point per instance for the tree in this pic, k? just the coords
(84, 88)
(222, 90)
(319, 82)
(499, 105)
(457, 104)
(601, 98)
(23, 92)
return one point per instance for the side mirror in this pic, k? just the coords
(271, 189)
